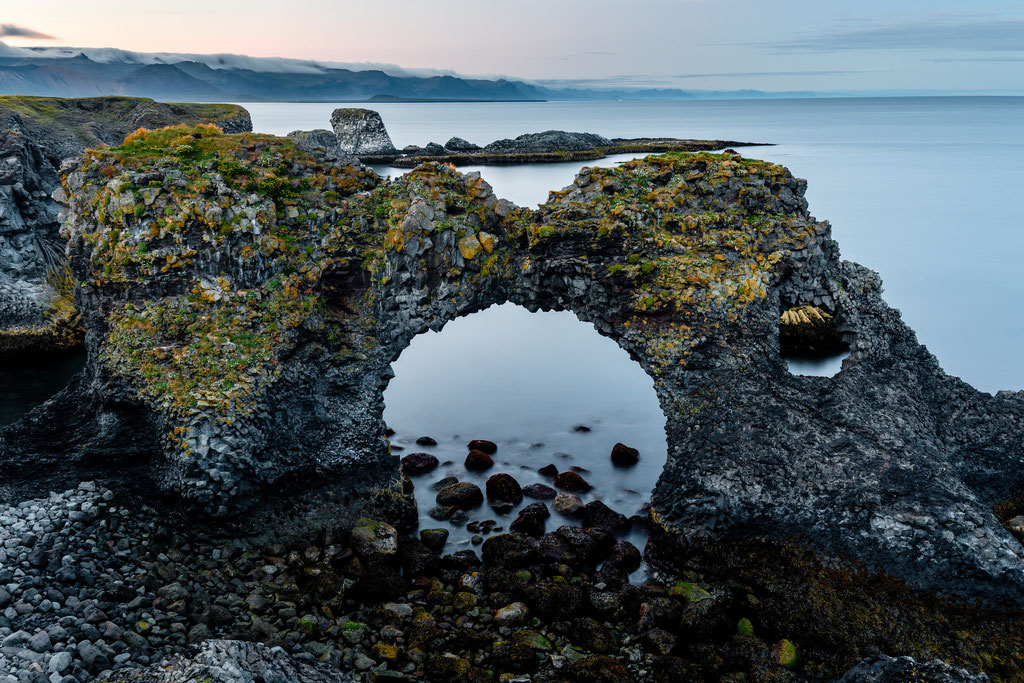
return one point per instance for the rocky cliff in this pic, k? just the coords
(243, 300)
(35, 135)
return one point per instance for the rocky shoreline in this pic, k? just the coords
(92, 590)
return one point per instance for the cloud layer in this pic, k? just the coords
(15, 31)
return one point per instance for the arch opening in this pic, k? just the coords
(811, 343)
(547, 389)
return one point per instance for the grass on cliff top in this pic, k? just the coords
(50, 109)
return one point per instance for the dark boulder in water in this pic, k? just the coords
(478, 461)
(598, 515)
(568, 504)
(504, 487)
(483, 445)
(531, 520)
(625, 556)
(426, 441)
(548, 471)
(462, 496)
(572, 482)
(418, 463)
(624, 456)
(539, 491)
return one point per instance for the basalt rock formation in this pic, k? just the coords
(36, 134)
(243, 300)
(361, 132)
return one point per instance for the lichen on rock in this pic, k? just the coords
(244, 298)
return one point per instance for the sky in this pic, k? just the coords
(819, 45)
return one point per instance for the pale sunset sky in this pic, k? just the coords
(689, 44)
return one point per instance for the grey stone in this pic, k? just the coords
(361, 132)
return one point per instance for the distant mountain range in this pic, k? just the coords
(87, 72)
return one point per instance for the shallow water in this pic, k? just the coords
(468, 382)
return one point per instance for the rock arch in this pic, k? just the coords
(243, 300)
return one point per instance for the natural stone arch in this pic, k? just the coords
(243, 300)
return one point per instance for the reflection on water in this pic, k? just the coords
(525, 380)
(25, 383)
(817, 367)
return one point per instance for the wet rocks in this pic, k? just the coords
(548, 470)
(504, 487)
(885, 669)
(539, 491)
(598, 515)
(624, 456)
(512, 614)
(361, 132)
(426, 441)
(418, 463)
(463, 496)
(478, 461)
(625, 556)
(484, 446)
(567, 504)
(531, 520)
(572, 482)
(372, 538)
(434, 539)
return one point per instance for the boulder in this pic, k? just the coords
(418, 463)
(463, 496)
(572, 482)
(504, 487)
(624, 456)
(539, 491)
(361, 132)
(531, 520)
(478, 461)
(457, 144)
(482, 445)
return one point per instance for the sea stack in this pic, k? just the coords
(361, 132)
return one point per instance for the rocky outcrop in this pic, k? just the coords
(36, 312)
(235, 661)
(457, 144)
(312, 140)
(242, 318)
(549, 141)
(361, 132)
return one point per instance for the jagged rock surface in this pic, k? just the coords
(311, 140)
(256, 345)
(236, 661)
(361, 132)
(35, 135)
(885, 669)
